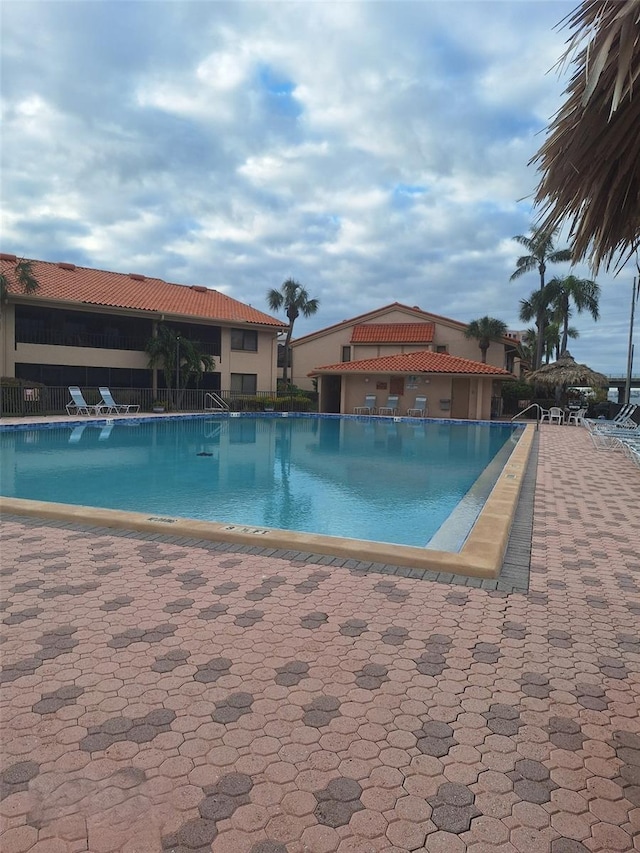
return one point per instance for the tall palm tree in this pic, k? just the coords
(542, 251)
(584, 294)
(485, 330)
(293, 297)
(179, 358)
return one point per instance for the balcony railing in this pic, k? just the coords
(24, 400)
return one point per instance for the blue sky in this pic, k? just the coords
(373, 151)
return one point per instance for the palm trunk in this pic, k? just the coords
(287, 342)
(565, 327)
(540, 321)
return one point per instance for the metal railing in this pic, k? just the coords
(214, 403)
(539, 412)
(23, 400)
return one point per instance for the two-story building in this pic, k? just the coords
(404, 351)
(90, 327)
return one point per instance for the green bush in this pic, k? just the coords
(517, 390)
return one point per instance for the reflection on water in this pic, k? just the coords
(365, 479)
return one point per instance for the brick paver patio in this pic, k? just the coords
(172, 697)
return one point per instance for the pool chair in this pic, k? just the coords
(79, 406)
(605, 437)
(369, 407)
(118, 408)
(419, 410)
(392, 405)
(623, 418)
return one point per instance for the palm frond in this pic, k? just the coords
(589, 162)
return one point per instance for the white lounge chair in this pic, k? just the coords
(419, 409)
(117, 408)
(369, 407)
(392, 405)
(623, 418)
(79, 406)
(609, 436)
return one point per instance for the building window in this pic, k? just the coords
(442, 348)
(346, 353)
(244, 383)
(244, 339)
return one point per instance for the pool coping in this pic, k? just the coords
(481, 556)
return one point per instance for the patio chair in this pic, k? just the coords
(369, 407)
(419, 409)
(556, 415)
(117, 408)
(392, 405)
(79, 406)
(577, 417)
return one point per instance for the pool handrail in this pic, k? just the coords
(539, 413)
(214, 403)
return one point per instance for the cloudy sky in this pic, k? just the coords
(373, 151)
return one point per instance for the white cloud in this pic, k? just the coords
(374, 151)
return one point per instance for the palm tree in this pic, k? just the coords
(584, 294)
(179, 358)
(553, 337)
(542, 251)
(485, 330)
(24, 275)
(294, 298)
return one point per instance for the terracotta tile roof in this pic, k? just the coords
(70, 283)
(413, 311)
(393, 333)
(414, 362)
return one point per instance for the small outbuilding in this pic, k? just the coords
(455, 387)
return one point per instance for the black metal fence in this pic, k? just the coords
(17, 400)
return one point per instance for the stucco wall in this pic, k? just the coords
(263, 362)
(327, 347)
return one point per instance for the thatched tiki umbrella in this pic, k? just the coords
(566, 372)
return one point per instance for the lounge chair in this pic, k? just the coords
(419, 409)
(623, 418)
(117, 408)
(79, 406)
(392, 405)
(369, 407)
(609, 436)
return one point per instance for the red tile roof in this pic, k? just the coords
(393, 333)
(414, 362)
(73, 284)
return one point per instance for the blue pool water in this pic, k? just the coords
(362, 478)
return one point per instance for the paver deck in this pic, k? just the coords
(164, 697)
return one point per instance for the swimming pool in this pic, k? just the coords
(374, 479)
